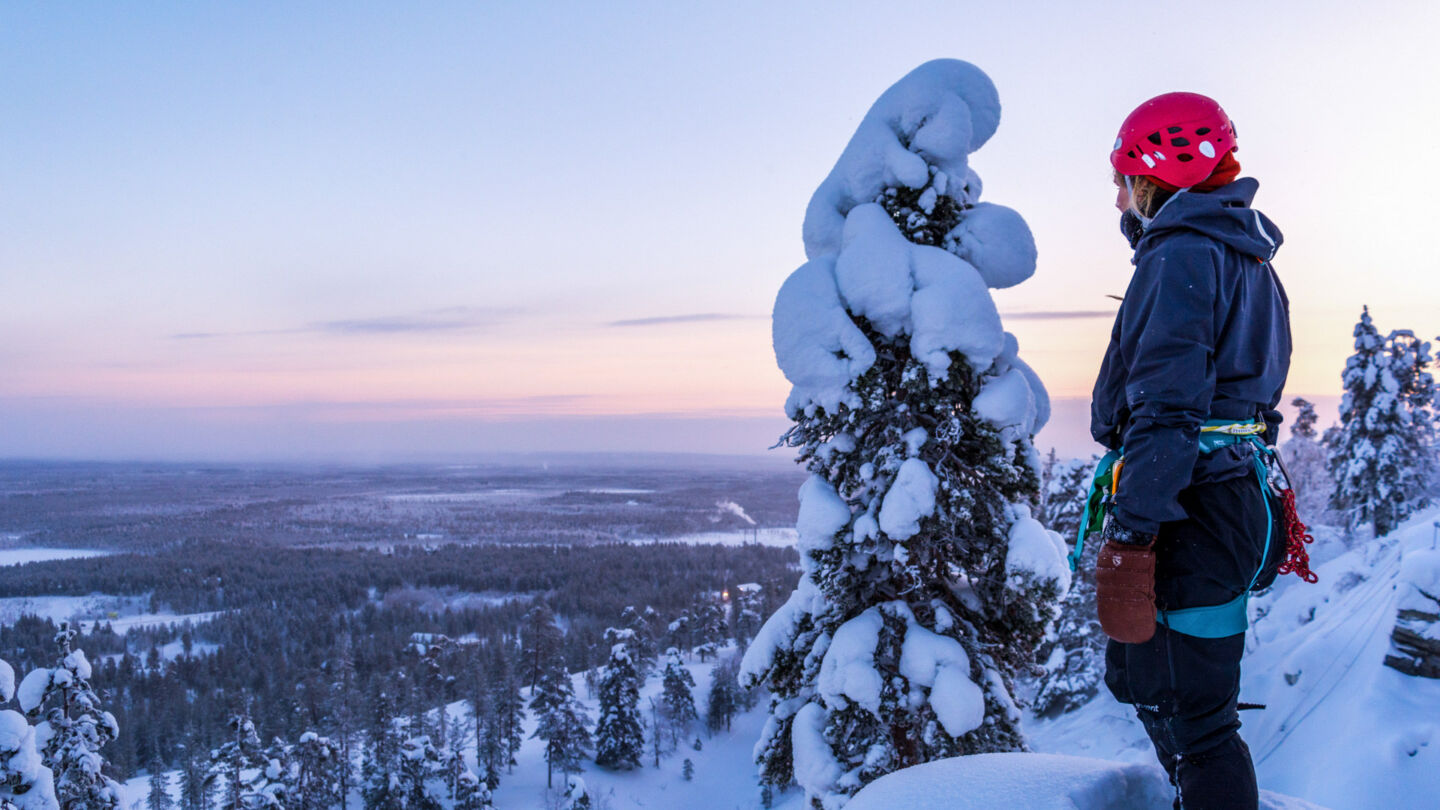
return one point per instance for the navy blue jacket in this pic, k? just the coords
(1203, 333)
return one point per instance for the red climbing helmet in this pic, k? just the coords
(1177, 137)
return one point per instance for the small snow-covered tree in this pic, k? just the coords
(74, 727)
(678, 696)
(577, 796)
(379, 775)
(313, 783)
(1305, 461)
(419, 775)
(249, 775)
(749, 612)
(620, 731)
(642, 644)
(926, 584)
(25, 782)
(1381, 458)
(560, 721)
(723, 702)
(473, 793)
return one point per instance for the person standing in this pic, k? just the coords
(1185, 401)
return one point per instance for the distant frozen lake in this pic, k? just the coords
(19, 556)
(766, 537)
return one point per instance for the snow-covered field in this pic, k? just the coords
(123, 613)
(20, 556)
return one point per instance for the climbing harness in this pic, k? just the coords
(1230, 618)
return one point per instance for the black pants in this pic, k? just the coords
(1184, 688)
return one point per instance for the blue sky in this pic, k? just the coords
(385, 231)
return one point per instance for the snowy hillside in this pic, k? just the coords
(1339, 728)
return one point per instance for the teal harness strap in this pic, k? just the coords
(1092, 520)
(1231, 618)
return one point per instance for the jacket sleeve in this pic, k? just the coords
(1168, 331)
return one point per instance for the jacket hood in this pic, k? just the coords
(1224, 215)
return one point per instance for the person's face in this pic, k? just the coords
(1122, 195)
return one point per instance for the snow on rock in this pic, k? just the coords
(945, 109)
(910, 499)
(1034, 554)
(817, 346)
(997, 242)
(1031, 782)
(848, 674)
(32, 689)
(1420, 575)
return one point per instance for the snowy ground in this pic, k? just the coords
(123, 613)
(20, 556)
(1339, 729)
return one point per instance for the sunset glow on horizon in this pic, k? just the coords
(237, 224)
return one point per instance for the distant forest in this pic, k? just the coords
(290, 609)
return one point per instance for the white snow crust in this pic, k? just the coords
(32, 689)
(1030, 782)
(822, 514)
(1034, 553)
(7, 682)
(818, 347)
(945, 109)
(910, 499)
(996, 240)
(919, 132)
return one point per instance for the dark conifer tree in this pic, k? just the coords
(620, 732)
(559, 720)
(723, 702)
(678, 697)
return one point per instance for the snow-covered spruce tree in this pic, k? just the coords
(1380, 458)
(313, 783)
(1305, 461)
(749, 602)
(420, 782)
(379, 775)
(560, 721)
(25, 782)
(723, 702)
(473, 793)
(927, 584)
(248, 775)
(678, 697)
(620, 731)
(74, 727)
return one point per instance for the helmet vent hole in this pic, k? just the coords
(1179, 142)
(1154, 138)
(1202, 131)
(1130, 154)
(1173, 130)
(1184, 158)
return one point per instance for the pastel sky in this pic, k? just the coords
(387, 231)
